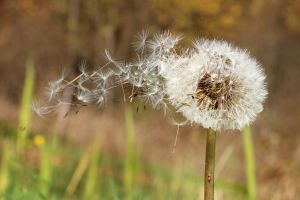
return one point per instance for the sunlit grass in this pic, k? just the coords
(25, 109)
(93, 180)
(45, 168)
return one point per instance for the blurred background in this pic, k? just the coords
(123, 152)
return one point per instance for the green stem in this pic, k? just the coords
(25, 107)
(250, 163)
(209, 165)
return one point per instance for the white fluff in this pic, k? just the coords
(234, 105)
(213, 83)
(208, 57)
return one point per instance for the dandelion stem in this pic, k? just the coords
(209, 165)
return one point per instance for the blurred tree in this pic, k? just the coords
(292, 15)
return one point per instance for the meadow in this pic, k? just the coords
(36, 165)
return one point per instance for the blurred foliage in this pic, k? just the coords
(292, 15)
(99, 178)
(62, 33)
(204, 16)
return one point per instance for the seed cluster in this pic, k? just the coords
(213, 92)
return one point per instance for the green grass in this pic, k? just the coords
(4, 168)
(45, 169)
(93, 179)
(100, 176)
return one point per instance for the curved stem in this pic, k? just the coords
(209, 165)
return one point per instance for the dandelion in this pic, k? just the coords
(219, 86)
(212, 84)
(39, 140)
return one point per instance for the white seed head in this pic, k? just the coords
(219, 86)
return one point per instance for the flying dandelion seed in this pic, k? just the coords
(141, 39)
(42, 110)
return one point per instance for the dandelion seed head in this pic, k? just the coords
(220, 87)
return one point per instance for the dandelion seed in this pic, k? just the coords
(85, 96)
(163, 42)
(83, 69)
(141, 39)
(121, 67)
(54, 88)
(41, 110)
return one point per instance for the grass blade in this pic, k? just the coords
(25, 109)
(46, 168)
(78, 174)
(92, 181)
